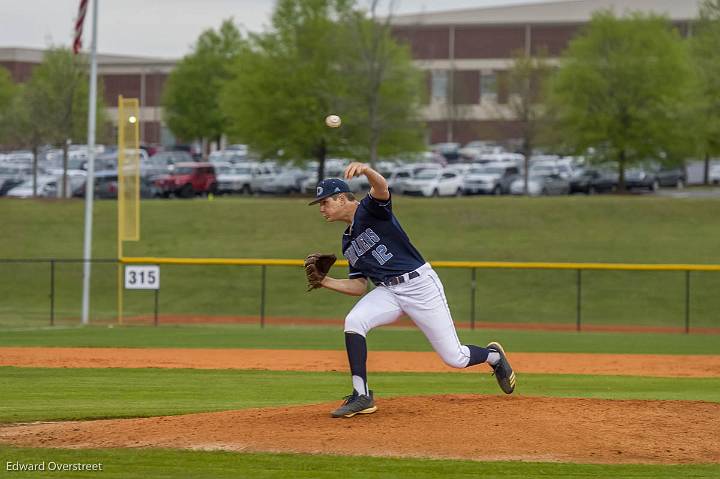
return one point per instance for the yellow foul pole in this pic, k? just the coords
(128, 226)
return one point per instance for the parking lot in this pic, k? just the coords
(445, 170)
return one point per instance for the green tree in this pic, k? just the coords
(621, 88)
(22, 130)
(706, 59)
(56, 101)
(192, 93)
(321, 57)
(385, 87)
(287, 80)
(526, 79)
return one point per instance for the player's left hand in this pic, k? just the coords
(355, 169)
(317, 266)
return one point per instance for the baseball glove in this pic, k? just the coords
(317, 266)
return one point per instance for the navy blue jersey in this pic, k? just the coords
(375, 244)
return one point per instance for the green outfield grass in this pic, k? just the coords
(597, 229)
(162, 464)
(389, 339)
(635, 229)
(35, 394)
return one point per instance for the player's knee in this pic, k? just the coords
(455, 360)
(355, 323)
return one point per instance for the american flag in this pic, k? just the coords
(77, 43)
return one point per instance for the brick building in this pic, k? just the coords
(467, 53)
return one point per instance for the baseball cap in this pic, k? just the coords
(329, 187)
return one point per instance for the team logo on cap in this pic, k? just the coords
(319, 190)
(337, 190)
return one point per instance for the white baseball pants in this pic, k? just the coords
(423, 300)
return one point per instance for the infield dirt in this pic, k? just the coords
(475, 427)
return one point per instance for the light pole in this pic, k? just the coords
(90, 180)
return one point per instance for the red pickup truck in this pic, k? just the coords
(187, 180)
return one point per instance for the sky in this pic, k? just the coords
(159, 28)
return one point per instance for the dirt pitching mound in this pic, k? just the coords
(454, 427)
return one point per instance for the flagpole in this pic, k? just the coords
(90, 181)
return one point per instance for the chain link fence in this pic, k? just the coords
(48, 292)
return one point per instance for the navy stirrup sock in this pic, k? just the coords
(477, 355)
(356, 347)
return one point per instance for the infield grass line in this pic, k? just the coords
(168, 464)
(331, 338)
(40, 394)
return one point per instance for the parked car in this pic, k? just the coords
(262, 174)
(108, 161)
(310, 183)
(671, 176)
(358, 184)
(19, 157)
(188, 180)
(47, 187)
(399, 178)
(106, 186)
(435, 182)
(580, 180)
(552, 184)
(592, 180)
(449, 151)
(490, 179)
(76, 179)
(386, 168)
(286, 182)
(233, 178)
(640, 178)
(11, 175)
(472, 150)
(460, 168)
(510, 159)
(714, 174)
(545, 169)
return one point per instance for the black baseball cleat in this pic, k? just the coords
(502, 371)
(356, 404)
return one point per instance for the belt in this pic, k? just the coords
(400, 279)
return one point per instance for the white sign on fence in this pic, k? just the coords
(142, 277)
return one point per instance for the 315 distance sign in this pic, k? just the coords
(142, 277)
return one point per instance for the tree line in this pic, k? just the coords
(50, 108)
(627, 90)
(272, 90)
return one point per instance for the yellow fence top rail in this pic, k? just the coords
(439, 264)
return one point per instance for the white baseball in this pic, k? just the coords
(333, 121)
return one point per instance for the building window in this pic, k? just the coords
(488, 87)
(439, 86)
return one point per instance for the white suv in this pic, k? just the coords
(233, 178)
(435, 182)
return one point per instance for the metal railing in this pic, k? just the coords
(472, 265)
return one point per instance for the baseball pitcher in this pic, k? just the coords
(378, 249)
